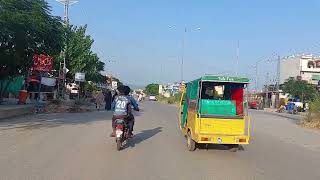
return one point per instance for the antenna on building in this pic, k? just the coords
(66, 4)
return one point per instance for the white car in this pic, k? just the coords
(74, 93)
(152, 98)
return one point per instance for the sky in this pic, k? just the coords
(144, 38)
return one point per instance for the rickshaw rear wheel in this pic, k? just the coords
(233, 147)
(191, 144)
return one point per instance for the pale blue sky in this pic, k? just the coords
(136, 34)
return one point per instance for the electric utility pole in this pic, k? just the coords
(63, 69)
(66, 4)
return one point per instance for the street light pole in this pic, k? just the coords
(256, 77)
(66, 4)
(237, 63)
(182, 56)
(278, 83)
(183, 48)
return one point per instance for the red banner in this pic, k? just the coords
(42, 63)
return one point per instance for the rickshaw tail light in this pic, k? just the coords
(204, 139)
(242, 140)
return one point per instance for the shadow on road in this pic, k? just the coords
(54, 120)
(220, 147)
(143, 135)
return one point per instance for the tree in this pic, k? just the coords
(26, 28)
(79, 56)
(152, 89)
(300, 89)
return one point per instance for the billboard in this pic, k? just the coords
(42, 63)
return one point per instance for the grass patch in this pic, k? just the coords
(170, 100)
(312, 119)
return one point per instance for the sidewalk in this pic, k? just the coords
(9, 111)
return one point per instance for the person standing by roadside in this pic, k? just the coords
(99, 100)
(108, 100)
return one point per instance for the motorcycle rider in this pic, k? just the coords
(135, 105)
(121, 107)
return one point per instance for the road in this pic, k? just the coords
(77, 146)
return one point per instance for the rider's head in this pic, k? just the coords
(121, 90)
(127, 90)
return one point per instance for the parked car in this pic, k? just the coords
(74, 93)
(152, 98)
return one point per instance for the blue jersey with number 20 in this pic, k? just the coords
(121, 105)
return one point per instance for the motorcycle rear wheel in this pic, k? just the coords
(119, 145)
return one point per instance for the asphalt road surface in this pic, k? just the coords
(77, 146)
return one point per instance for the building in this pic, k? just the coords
(306, 67)
(169, 89)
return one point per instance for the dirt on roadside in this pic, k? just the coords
(62, 108)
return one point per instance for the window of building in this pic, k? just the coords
(311, 64)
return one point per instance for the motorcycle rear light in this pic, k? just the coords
(120, 126)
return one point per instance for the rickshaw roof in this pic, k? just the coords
(228, 79)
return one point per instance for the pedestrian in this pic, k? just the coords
(99, 100)
(108, 100)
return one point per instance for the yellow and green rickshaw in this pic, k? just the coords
(214, 110)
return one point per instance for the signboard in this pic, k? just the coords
(81, 77)
(114, 85)
(225, 79)
(42, 63)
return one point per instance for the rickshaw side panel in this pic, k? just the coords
(192, 123)
(189, 99)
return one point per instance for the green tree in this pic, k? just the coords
(26, 28)
(299, 88)
(79, 56)
(152, 89)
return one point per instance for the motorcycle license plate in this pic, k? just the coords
(118, 133)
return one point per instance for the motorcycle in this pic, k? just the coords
(122, 132)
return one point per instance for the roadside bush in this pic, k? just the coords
(56, 101)
(173, 99)
(312, 118)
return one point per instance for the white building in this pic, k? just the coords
(305, 66)
(169, 89)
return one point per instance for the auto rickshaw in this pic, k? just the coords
(214, 110)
